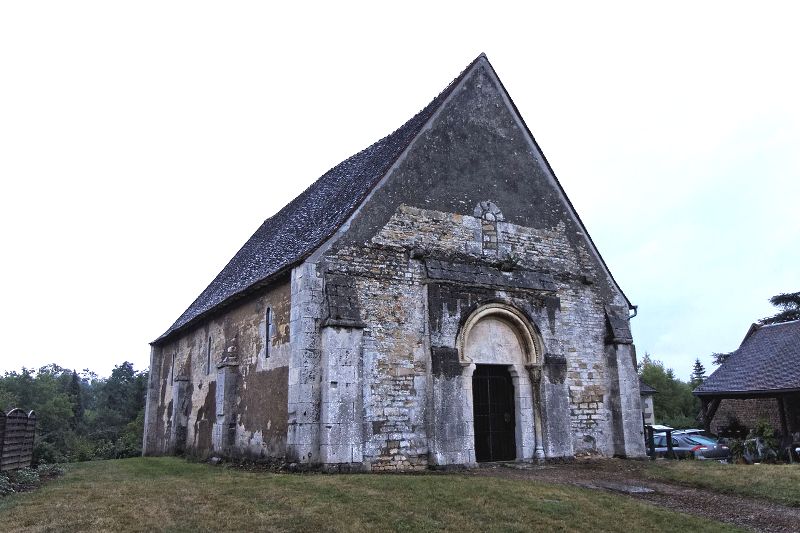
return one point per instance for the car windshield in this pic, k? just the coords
(699, 439)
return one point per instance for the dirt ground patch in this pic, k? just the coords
(630, 478)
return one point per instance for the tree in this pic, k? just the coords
(80, 416)
(674, 405)
(698, 374)
(720, 357)
(789, 303)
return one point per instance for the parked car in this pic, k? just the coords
(691, 446)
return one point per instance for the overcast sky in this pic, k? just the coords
(142, 143)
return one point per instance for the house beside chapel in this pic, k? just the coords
(433, 300)
(758, 382)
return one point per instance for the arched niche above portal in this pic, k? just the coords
(499, 334)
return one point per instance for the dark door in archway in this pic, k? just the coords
(493, 408)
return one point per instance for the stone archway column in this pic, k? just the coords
(535, 373)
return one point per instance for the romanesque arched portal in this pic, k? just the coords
(500, 350)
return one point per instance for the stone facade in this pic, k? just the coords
(648, 411)
(466, 253)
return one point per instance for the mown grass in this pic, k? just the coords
(146, 494)
(779, 483)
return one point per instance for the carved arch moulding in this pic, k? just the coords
(526, 333)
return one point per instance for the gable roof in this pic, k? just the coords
(768, 360)
(288, 237)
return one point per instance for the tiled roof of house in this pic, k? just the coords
(290, 235)
(645, 389)
(767, 360)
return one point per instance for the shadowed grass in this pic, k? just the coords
(779, 483)
(146, 494)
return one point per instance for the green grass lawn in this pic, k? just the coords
(779, 483)
(171, 494)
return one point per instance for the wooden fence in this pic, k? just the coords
(16, 439)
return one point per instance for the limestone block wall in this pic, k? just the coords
(218, 388)
(390, 409)
(305, 371)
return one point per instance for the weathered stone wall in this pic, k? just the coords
(373, 374)
(474, 190)
(413, 392)
(215, 389)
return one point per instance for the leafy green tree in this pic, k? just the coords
(789, 304)
(718, 357)
(80, 416)
(76, 398)
(674, 404)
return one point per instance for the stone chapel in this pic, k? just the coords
(433, 300)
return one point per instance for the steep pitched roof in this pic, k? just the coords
(287, 237)
(767, 360)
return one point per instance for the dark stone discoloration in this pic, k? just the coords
(556, 367)
(204, 422)
(477, 275)
(343, 309)
(262, 406)
(444, 362)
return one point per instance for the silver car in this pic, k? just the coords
(691, 446)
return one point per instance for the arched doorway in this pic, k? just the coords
(498, 347)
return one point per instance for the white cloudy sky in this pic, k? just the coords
(141, 143)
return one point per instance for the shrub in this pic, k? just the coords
(6, 487)
(762, 443)
(26, 477)
(736, 447)
(48, 470)
(766, 432)
(47, 452)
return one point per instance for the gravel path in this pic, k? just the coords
(628, 478)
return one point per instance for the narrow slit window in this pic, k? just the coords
(268, 333)
(208, 356)
(172, 370)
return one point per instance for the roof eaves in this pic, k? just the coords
(741, 393)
